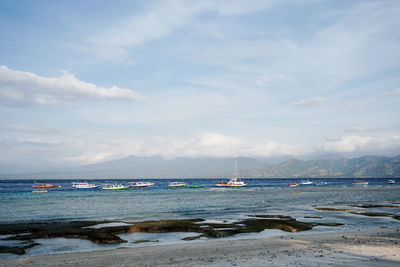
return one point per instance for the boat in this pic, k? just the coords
(392, 181)
(233, 182)
(114, 187)
(36, 185)
(140, 184)
(360, 183)
(306, 182)
(176, 184)
(196, 185)
(40, 191)
(84, 185)
(292, 184)
(322, 183)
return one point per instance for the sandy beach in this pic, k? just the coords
(372, 247)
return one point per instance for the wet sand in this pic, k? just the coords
(372, 247)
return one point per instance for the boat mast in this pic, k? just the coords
(236, 171)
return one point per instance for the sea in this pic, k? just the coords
(217, 204)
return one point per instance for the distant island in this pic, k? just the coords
(208, 167)
(363, 167)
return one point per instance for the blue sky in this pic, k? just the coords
(88, 81)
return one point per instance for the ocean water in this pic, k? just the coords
(261, 196)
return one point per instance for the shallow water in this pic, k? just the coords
(261, 196)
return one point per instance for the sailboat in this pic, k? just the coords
(233, 182)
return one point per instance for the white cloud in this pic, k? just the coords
(347, 143)
(393, 92)
(268, 79)
(363, 129)
(160, 20)
(313, 101)
(237, 7)
(363, 144)
(26, 88)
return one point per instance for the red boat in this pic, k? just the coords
(292, 184)
(45, 186)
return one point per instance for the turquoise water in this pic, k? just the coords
(261, 196)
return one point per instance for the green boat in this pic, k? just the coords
(196, 185)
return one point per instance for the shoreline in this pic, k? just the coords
(369, 247)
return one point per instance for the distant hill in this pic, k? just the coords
(208, 167)
(367, 166)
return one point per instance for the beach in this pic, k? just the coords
(368, 247)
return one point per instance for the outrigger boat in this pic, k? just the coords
(306, 182)
(36, 185)
(84, 185)
(114, 187)
(140, 184)
(233, 182)
(176, 184)
(40, 191)
(360, 183)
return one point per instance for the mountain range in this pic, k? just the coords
(207, 167)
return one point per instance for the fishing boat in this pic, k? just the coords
(40, 191)
(176, 184)
(37, 185)
(360, 182)
(114, 187)
(392, 181)
(84, 185)
(196, 185)
(292, 184)
(140, 184)
(233, 182)
(306, 182)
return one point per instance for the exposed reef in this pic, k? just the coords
(369, 206)
(366, 206)
(332, 209)
(109, 235)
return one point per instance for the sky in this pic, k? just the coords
(88, 81)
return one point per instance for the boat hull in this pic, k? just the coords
(87, 188)
(45, 186)
(122, 188)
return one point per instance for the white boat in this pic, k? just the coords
(114, 187)
(84, 185)
(392, 181)
(306, 182)
(233, 182)
(140, 184)
(176, 184)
